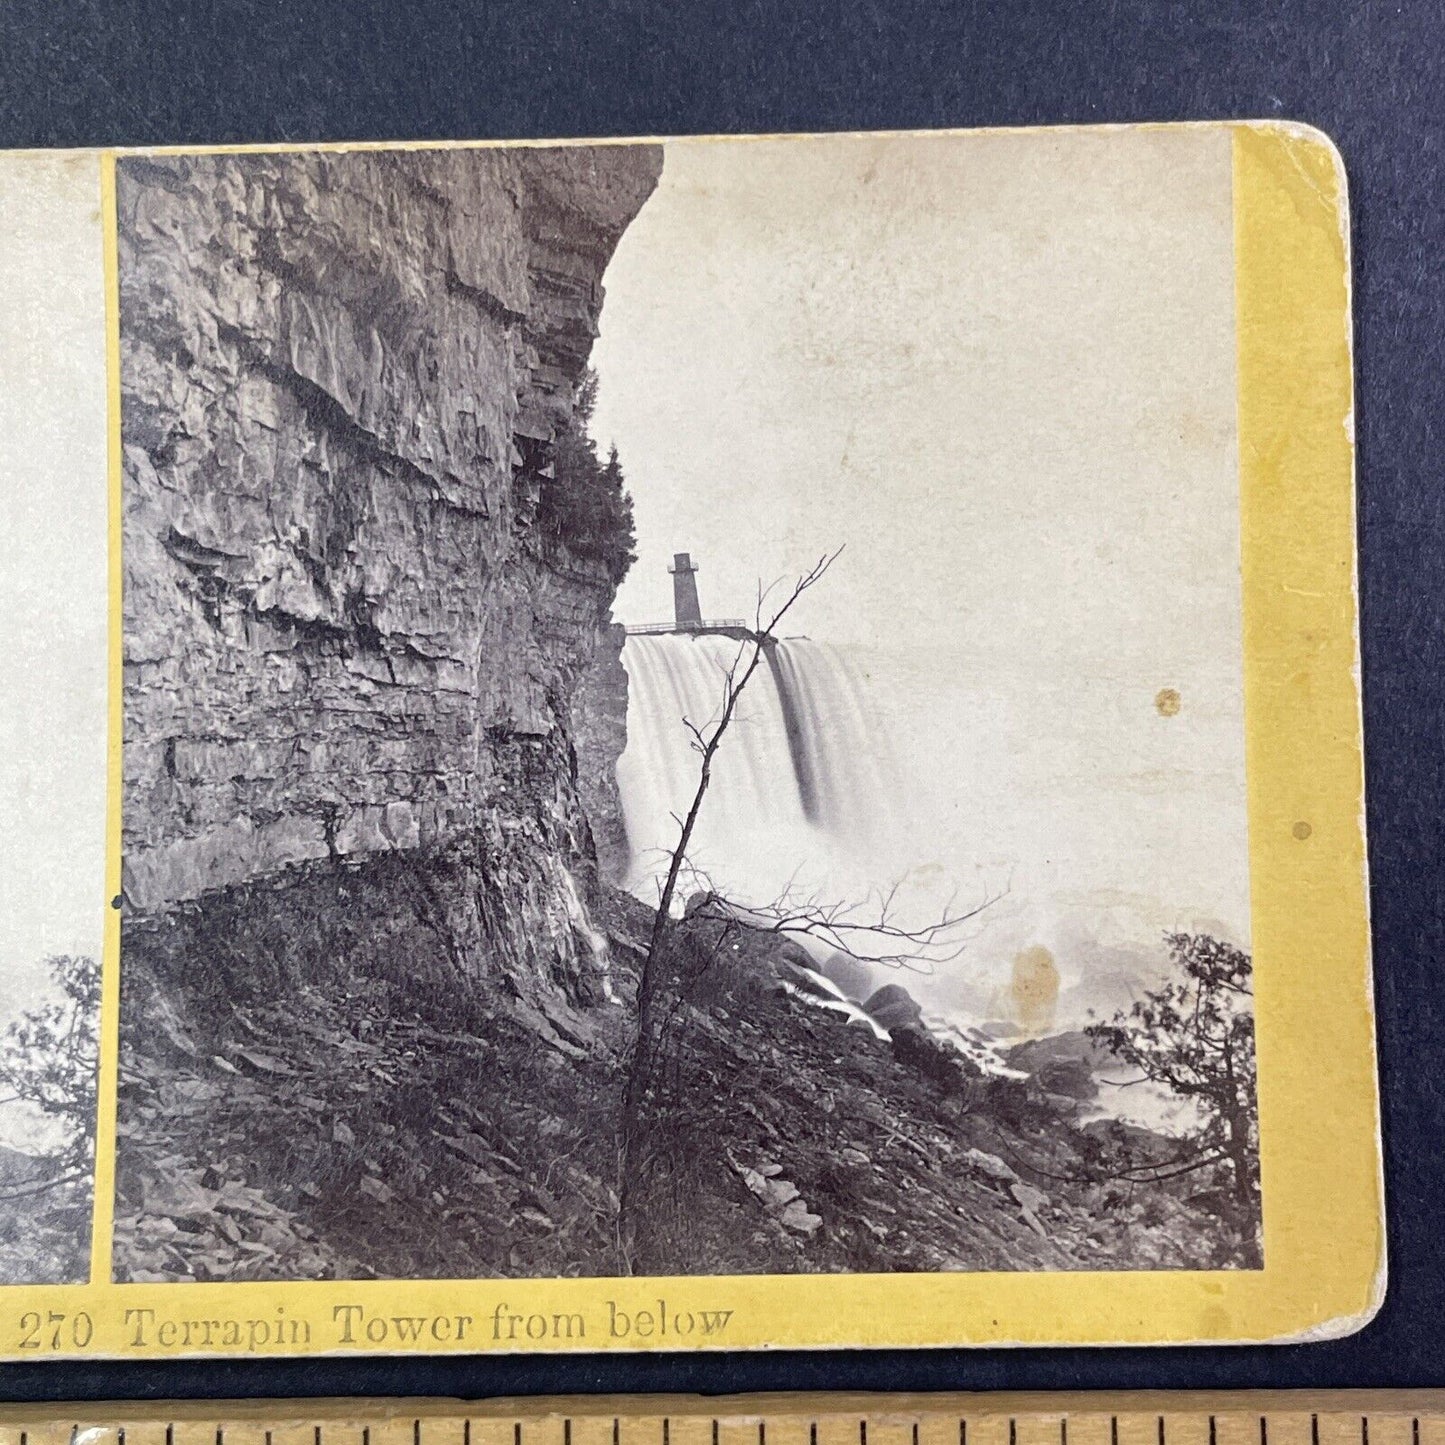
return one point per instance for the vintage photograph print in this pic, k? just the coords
(53, 717)
(684, 712)
(706, 743)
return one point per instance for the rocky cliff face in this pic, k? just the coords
(345, 641)
(599, 726)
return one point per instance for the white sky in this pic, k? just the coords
(1001, 370)
(53, 572)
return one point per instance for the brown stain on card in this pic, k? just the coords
(1167, 702)
(1033, 989)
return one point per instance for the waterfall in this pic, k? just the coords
(841, 756)
(802, 778)
(934, 779)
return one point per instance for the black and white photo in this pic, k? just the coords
(53, 718)
(683, 711)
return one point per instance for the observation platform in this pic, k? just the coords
(733, 627)
(688, 620)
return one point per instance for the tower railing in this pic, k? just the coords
(643, 629)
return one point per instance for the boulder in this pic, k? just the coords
(851, 974)
(1072, 1047)
(991, 1165)
(1028, 1197)
(894, 1007)
(703, 899)
(919, 1051)
(1062, 1064)
(790, 951)
(800, 1219)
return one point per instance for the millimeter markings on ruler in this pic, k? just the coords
(1341, 1417)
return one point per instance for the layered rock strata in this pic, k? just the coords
(345, 639)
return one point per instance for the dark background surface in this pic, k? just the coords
(124, 72)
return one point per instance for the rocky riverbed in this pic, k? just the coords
(346, 1131)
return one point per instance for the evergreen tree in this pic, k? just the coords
(585, 506)
(1194, 1035)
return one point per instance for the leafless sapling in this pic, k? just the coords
(889, 939)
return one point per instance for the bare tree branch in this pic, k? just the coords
(855, 927)
(874, 929)
(706, 739)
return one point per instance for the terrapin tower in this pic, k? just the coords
(686, 611)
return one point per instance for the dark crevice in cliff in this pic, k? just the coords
(331, 416)
(491, 306)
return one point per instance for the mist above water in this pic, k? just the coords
(855, 772)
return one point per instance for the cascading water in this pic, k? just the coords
(842, 757)
(919, 776)
(807, 799)
(587, 931)
(802, 786)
